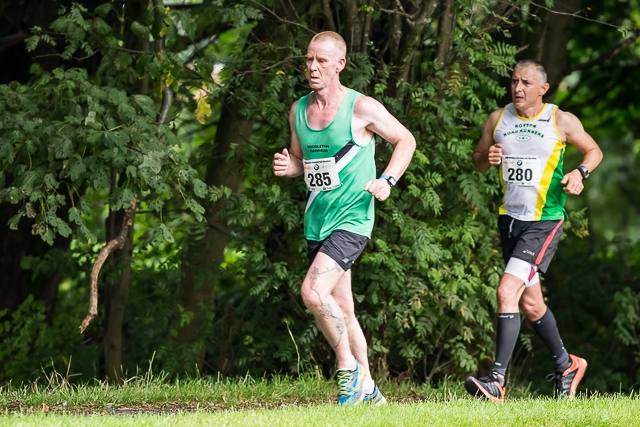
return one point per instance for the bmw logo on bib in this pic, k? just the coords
(316, 167)
(519, 162)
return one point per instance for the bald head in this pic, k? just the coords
(331, 37)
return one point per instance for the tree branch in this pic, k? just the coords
(116, 243)
(13, 39)
(409, 44)
(282, 19)
(167, 100)
(326, 10)
(574, 14)
(602, 59)
(399, 11)
(367, 28)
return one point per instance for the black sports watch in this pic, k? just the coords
(391, 180)
(583, 171)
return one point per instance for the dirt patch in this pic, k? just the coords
(163, 408)
(152, 408)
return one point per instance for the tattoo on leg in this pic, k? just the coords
(326, 310)
(340, 327)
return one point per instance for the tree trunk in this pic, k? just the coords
(200, 270)
(446, 30)
(549, 43)
(117, 291)
(116, 297)
(353, 24)
(409, 44)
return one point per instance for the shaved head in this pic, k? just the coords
(335, 38)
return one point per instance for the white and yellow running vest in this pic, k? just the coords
(531, 169)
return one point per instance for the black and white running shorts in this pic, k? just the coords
(532, 241)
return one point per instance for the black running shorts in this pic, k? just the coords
(342, 246)
(532, 241)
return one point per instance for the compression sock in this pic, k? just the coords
(506, 337)
(547, 329)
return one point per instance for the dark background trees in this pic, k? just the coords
(180, 108)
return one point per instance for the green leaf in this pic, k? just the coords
(86, 235)
(161, 233)
(103, 9)
(101, 180)
(139, 30)
(75, 216)
(155, 205)
(63, 228)
(100, 26)
(14, 220)
(199, 188)
(196, 208)
(118, 138)
(153, 161)
(77, 170)
(123, 198)
(188, 25)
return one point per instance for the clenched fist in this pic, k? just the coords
(281, 162)
(495, 154)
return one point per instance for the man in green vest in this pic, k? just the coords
(332, 146)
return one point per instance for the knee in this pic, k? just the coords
(532, 308)
(311, 298)
(507, 294)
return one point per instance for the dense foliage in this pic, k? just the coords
(217, 255)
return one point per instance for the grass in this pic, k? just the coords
(284, 401)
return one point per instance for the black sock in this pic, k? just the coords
(506, 337)
(547, 329)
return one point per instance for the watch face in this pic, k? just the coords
(584, 172)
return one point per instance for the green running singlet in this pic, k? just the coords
(347, 207)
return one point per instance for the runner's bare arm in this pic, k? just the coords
(289, 163)
(572, 132)
(487, 152)
(371, 116)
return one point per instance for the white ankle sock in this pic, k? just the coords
(368, 386)
(351, 366)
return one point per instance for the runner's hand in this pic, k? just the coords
(380, 188)
(281, 162)
(495, 154)
(573, 181)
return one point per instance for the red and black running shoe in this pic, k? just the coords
(567, 381)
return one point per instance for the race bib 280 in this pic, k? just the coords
(521, 170)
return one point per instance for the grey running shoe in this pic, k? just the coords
(491, 386)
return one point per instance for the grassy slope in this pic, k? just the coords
(287, 402)
(619, 411)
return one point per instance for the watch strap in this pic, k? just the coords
(583, 171)
(391, 180)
